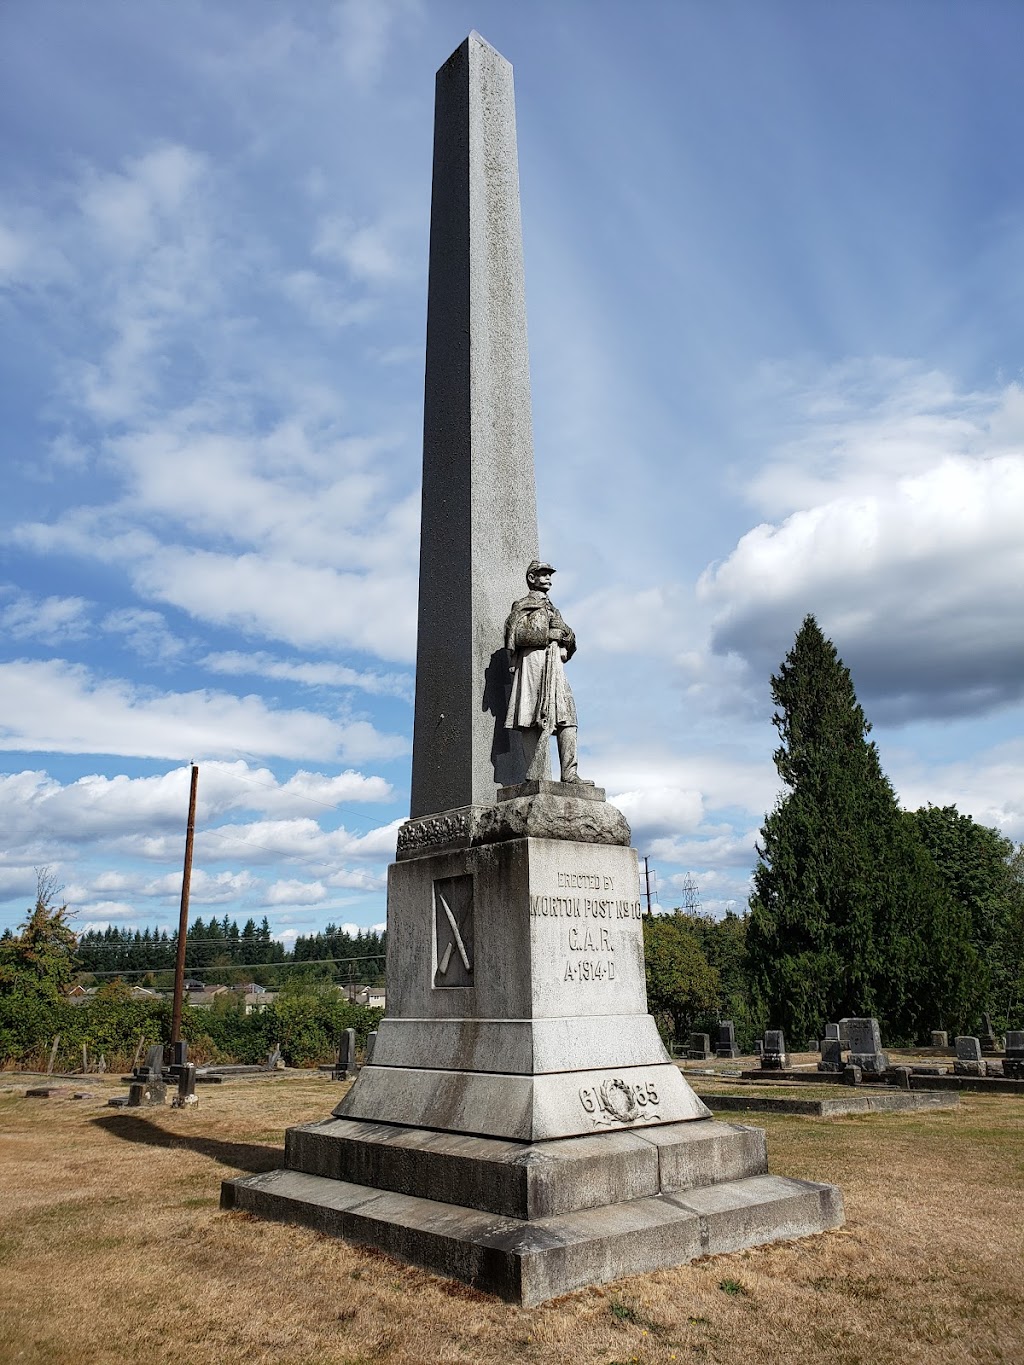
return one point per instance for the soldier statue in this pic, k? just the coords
(539, 644)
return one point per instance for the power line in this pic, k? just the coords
(234, 966)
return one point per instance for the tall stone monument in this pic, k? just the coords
(520, 1125)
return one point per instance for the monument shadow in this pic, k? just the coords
(253, 1157)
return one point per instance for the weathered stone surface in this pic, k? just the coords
(773, 1054)
(519, 1046)
(527, 1180)
(479, 521)
(528, 1262)
(831, 1055)
(1015, 1043)
(725, 1047)
(698, 1047)
(554, 817)
(968, 1049)
(577, 791)
(568, 813)
(939, 1038)
(832, 1033)
(146, 1093)
(523, 1108)
(864, 1041)
(558, 933)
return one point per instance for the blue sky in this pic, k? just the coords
(775, 277)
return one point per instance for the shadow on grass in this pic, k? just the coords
(240, 1156)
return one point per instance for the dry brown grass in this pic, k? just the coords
(112, 1248)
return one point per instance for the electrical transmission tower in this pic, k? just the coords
(691, 896)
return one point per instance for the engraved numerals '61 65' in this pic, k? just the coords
(619, 1101)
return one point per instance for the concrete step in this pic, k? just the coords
(527, 1180)
(528, 1262)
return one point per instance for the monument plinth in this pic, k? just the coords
(521, 1126)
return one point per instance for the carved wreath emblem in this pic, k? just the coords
(617, 1099)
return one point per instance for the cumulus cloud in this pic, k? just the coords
(905, 544)
(61, 707)
(35, 806)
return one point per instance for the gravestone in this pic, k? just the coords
(152, 1069)
(774, 1057)
(145, 1093)
(186, 1096)
(758, 1047)
(864, 1042)
(940, 1038)
(832, 1033)
(811, 1045)
(371, 1042)
(725, 1047)
(1013, 1059)
(968, 1057)
(987, 1038)
(345, 1067)
(275, 1062)
(520, 1125)
(831, 1055)
(698, 1047)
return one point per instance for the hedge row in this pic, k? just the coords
(306, 1026)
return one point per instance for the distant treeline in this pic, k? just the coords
(215, 949)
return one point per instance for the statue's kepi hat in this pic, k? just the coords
(539, 566)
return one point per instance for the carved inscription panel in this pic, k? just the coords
(585, 914)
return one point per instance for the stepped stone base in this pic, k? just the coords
(530, 1221)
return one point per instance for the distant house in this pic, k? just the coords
(204, 998)
(144, 993)
(364, 995)
(258, 999)
(194, 986)
(79, 995)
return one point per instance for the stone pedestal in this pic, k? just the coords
(531, 1221)
(521, 1126)
(516, 997)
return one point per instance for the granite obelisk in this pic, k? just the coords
(520, 1125)
(479, 521)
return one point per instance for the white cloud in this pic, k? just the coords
(35, 807)
(61, 707)
(303, 605)
(48, 619)
(661, 810)
(312, 674)
(910, 559)
(295, 892)
(146, 632)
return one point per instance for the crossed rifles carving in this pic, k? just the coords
(454, 942)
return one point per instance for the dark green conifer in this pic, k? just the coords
(848, 913)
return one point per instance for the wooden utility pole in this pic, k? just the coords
(186, 881)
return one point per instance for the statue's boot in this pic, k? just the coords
(567, 757)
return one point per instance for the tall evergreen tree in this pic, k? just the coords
(848, 913)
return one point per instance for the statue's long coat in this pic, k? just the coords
(541, 695)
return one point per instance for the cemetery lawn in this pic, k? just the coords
(113, 1248)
